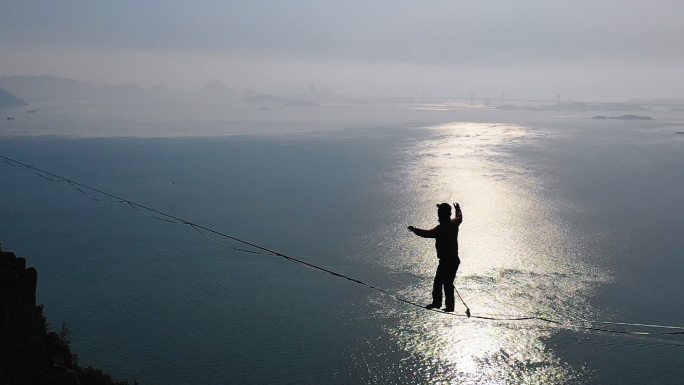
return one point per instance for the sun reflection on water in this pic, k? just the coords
(517, 259)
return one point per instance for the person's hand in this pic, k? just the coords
(457, 206)
(411, 228)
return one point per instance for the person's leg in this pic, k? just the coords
(437, 288)
(449, 276)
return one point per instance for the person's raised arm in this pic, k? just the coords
(458, 217)
(432, 233)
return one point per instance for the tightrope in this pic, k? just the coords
(210, 234)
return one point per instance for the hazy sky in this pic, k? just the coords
(596, 49)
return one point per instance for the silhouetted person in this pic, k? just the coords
(446, 242)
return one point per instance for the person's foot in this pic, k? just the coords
(448, 309)
(433, 306)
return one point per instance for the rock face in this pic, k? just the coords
(29, 353)
(23, 338)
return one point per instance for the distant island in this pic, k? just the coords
(50, 88)
(575, 106)
(39, 88)
(8, 100)
(623, 117)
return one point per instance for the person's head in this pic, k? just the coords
(444, 212)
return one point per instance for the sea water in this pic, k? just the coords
(565, 218)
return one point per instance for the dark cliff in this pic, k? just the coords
(29, 352)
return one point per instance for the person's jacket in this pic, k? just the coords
(446, 238)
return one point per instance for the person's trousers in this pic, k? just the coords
(444, 279)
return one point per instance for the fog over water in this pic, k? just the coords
(607, 50)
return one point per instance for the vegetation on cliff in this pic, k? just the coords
(29, 352)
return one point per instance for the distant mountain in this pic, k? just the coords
(215, 90)
(56, 88)
(163, 92)
(45, 87)
(37, 88)
(7, 100)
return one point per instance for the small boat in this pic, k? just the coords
(10, 118)
(679, 133)
(30, 111)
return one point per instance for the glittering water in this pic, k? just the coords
(549, 206)
(518, 260)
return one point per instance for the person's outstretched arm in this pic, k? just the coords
(432, 233)
(458, 217)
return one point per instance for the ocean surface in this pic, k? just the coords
(565, 218)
